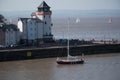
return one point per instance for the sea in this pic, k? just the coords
(88, 28)
(83, 24)
(96, 67)
(87, 25)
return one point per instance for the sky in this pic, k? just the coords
(22, 5)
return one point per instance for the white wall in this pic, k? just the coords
(31, 29)
(25, 32)
(35, 29)
(41, 17)
(7, 38)
(39, 31)
(20, 25)
(47, 26)
(10, 37)
(17, 36)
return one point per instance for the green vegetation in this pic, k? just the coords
(2, 19)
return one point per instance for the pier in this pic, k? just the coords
(57, 51)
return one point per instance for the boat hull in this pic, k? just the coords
(69, 62)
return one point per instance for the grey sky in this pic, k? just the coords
(19, 5)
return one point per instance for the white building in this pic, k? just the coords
(37, 29)
(9, 35)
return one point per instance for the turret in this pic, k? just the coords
(43, 10)
(44, 14)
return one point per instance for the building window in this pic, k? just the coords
(52, 24)
(45, 10)
(45, 22)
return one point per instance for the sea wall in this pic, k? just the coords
(57, 51)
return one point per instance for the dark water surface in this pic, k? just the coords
(96, 67)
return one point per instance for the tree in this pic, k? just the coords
(2, 18)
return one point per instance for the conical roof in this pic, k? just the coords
(43, 4)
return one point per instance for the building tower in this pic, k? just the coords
(44, 14)
(37, 29)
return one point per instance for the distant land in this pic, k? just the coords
(65, 13)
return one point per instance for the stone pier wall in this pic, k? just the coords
(58, 51)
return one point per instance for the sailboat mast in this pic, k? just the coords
(68, 39)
